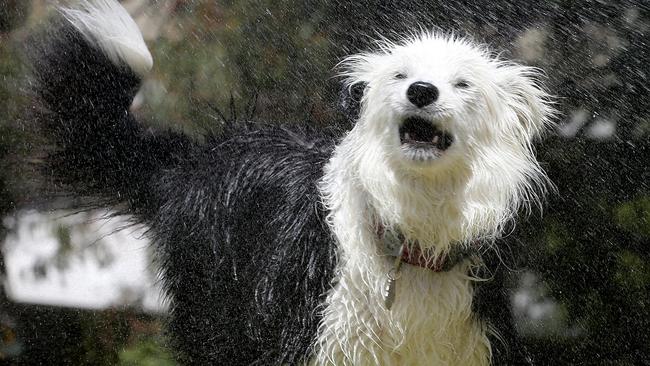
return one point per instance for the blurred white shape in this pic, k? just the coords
(542, 310)
(536, 313)
(578, 119)
(150, 16)
(531, 44)
(600, 60)
(601, 129)
(99, 267)
(521, 299)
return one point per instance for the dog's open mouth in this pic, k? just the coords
(422, 140)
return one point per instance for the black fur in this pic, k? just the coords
(350, 101)
(236, 221)
(492, 304)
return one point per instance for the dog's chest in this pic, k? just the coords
(430, 322)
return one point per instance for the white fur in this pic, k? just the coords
(469, 193)
(107, 25)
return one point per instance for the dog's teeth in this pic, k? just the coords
(407, 136)
(436, 138)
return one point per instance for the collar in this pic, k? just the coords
(395, 246)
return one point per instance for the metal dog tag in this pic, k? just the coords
(391, 279)
(393, 242)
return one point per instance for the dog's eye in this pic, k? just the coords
(400, 76)
(463, 84)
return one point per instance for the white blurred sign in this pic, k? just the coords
(79, 260)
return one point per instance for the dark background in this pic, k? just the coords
(581, 289)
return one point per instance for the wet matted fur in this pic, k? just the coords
(268, 238)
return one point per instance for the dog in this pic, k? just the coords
(301, 246)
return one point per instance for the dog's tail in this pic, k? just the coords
(85, 73)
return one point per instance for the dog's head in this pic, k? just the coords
(448, 111)
(431, 96)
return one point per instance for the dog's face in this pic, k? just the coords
(434, 99)
(445, 131)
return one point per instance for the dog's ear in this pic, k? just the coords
(350, 100)
(357, 72)
(526, 98)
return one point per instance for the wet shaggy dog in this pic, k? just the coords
(283, 246)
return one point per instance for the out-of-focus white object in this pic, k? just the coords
(79, 260)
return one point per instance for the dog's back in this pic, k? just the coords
(246, 255)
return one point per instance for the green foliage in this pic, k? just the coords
(556, 236)
(634, 216)
(633, 273)
(244, 49)
(146, 351)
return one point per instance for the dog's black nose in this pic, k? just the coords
(422, 94)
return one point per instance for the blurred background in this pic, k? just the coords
(78, 290)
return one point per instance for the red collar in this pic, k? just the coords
(394, 243)
(415, 257)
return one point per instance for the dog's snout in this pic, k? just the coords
(422, 94)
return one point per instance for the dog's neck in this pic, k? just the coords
(394, 244)
(427, 211)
